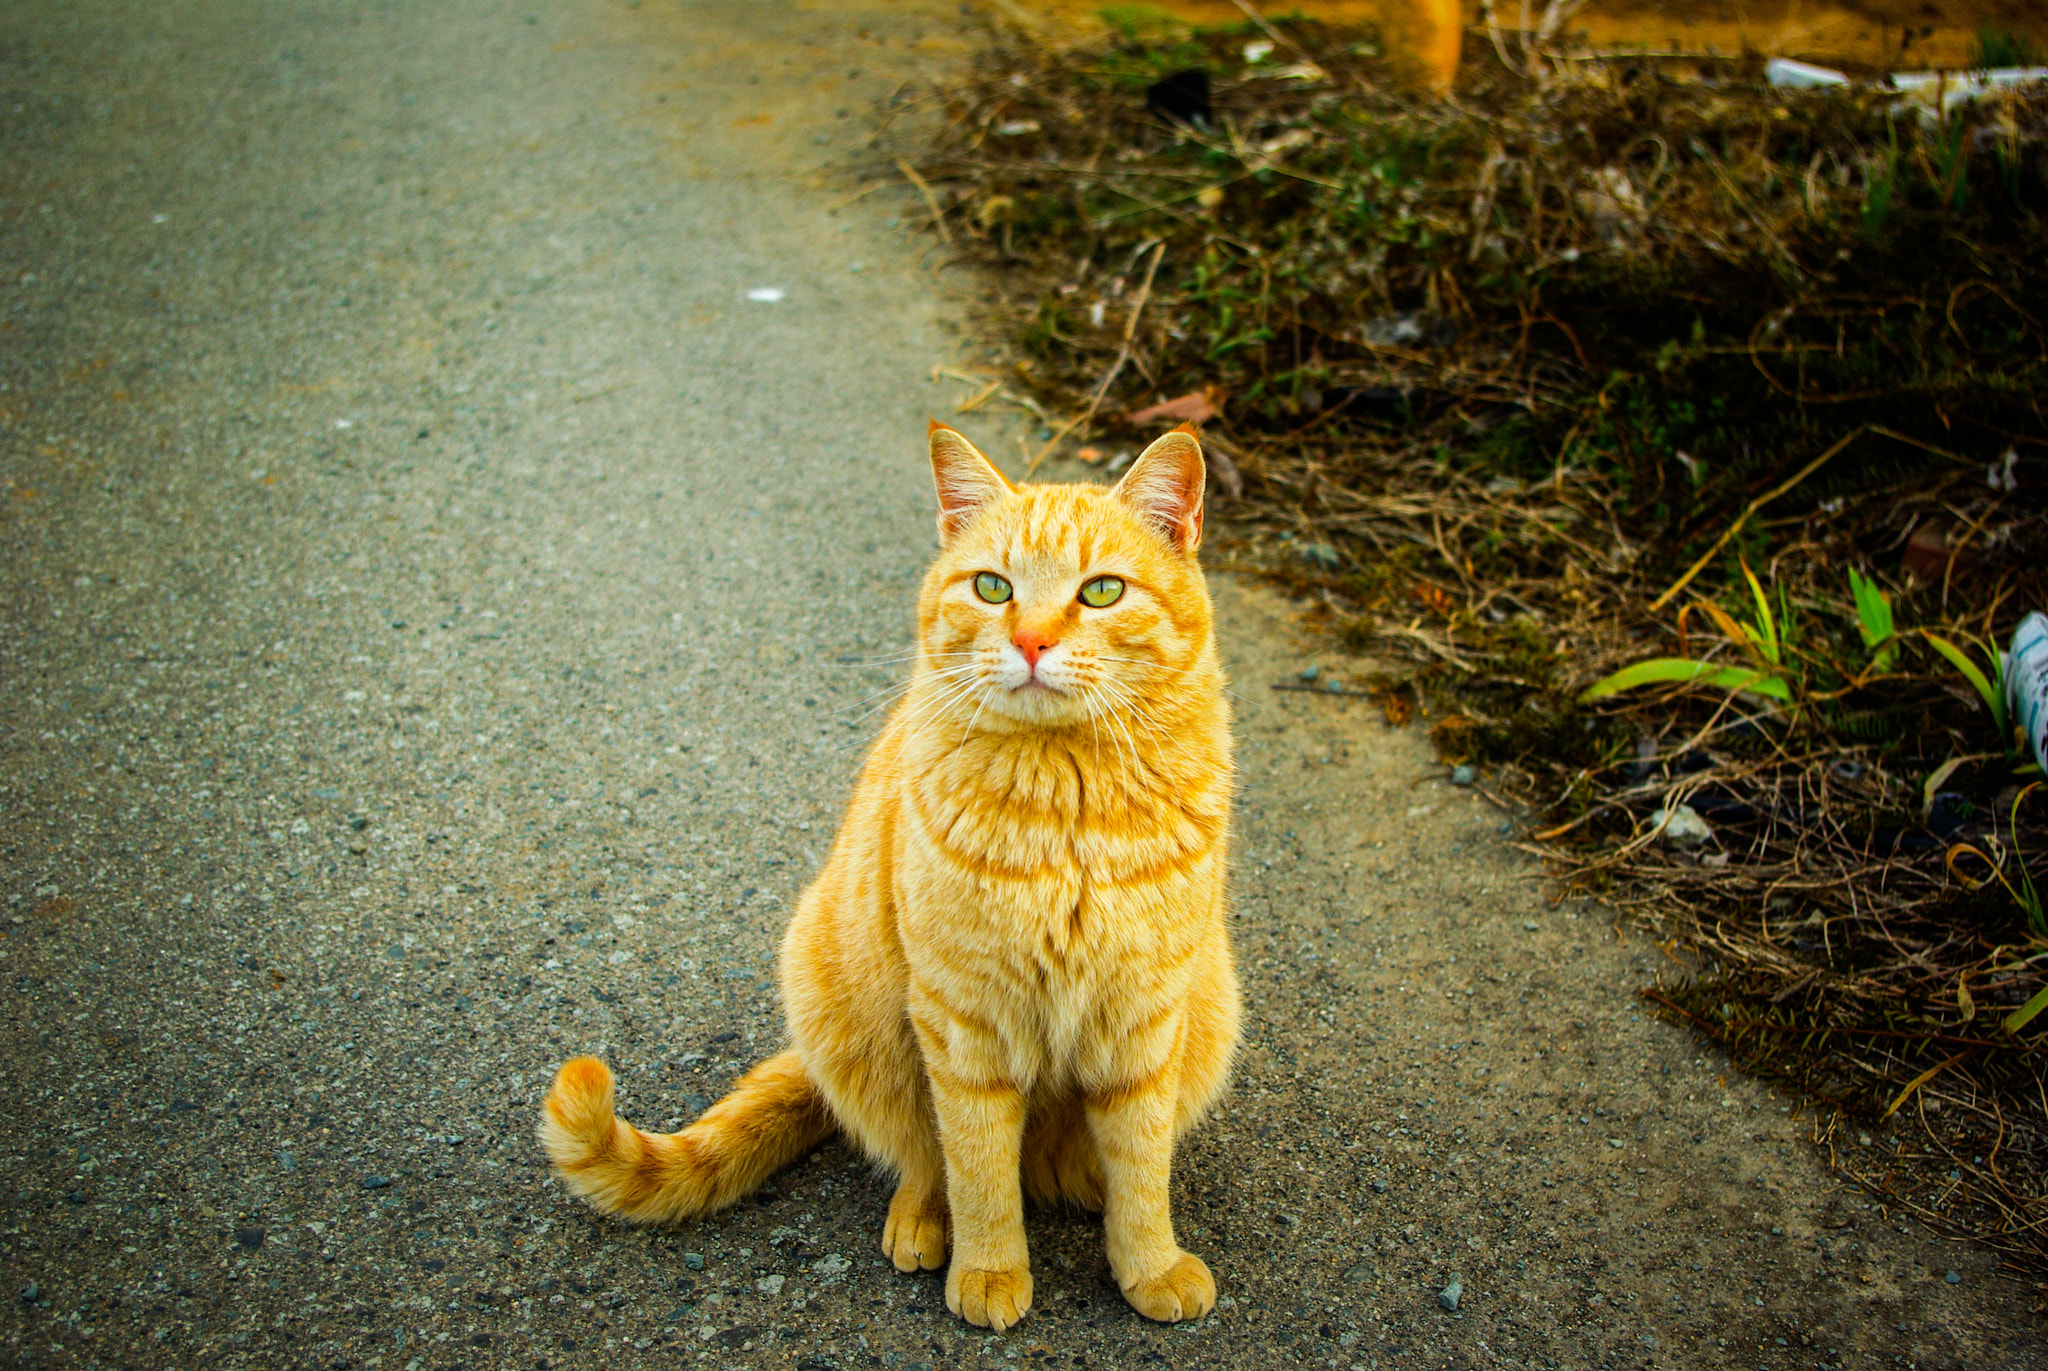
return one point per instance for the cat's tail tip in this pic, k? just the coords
(605, 1158)
(577, 1116)
(596, 1154)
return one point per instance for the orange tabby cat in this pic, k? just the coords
(1013, 972)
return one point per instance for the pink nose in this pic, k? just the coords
(1033, 643)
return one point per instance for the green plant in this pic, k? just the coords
(1874, 620)
(1997, 47)
(1990, 689)
(1763, 641)
(1880, 183)
(2028, 896)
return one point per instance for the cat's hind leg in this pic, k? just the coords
(1061, 1165)
(915, 1236)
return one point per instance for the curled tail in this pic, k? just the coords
(772, 1116)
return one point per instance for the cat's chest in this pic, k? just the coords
(1070, 838)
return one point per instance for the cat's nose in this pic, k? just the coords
(1034, 643)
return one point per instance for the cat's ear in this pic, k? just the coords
(965, 478)
(1165, 487)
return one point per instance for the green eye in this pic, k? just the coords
(991, 587)
(1102, 592)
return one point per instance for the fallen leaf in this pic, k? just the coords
(1196, 407)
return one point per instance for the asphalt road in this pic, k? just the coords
(442, 615)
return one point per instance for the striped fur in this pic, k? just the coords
(770, 1119)
(1013, 975)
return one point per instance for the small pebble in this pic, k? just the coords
(31, 1292)
(1319, 554)
(375, 1182)
(1614, 1142)
(1449, 1296)
(1309, 673)
(1358, 1274)
(1379, 1187)
(694, 1260)
(1464, 774)
(1954, 1278)
(1529, 925)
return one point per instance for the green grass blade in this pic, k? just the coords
(1681, 671)
(1873, 619)
(1767, 624)
(2024, 1015)
(1993, 700)
(1873, 609)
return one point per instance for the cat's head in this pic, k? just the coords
(1054, 606)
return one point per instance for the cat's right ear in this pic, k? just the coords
(965, 479)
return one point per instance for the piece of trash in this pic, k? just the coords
(1120, 461)
(1016, 128)
(1258, 50)
(2026, 684)
(1410, 330)
(1681, 826)
(1090, 455)
(1196, 407)
(1936, 93)
(767, 295)
(2000, 475)
(1449, 1296)
(1783, 71)
(1182, 98)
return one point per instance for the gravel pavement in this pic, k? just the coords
(442, 616)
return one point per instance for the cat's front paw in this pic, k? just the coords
(1184, 1290)
(915, 1236)
(989, 1299)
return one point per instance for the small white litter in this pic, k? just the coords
(1926, 91)
(1681, 827)
(1017, 128)
(1783, 71)
(2026, 683)
(1945, 90)
(767, 295)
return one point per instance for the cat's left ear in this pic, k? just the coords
(965, 478)
(1165, 487)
